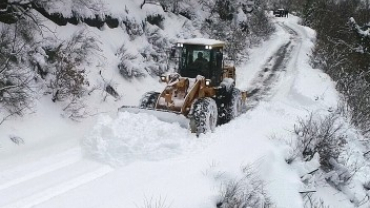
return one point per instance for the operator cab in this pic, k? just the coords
(201, 56)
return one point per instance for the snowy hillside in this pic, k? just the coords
(120, 159)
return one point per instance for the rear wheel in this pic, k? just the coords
(203, 116)
(149, 99)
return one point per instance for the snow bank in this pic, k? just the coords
(130, 137)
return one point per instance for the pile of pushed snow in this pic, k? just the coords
(131, 137)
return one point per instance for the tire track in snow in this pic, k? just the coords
(27, 172)
(272, 69)
(59, 189)
(36, 182)
(299, 35)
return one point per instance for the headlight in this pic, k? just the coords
(163, 78)
(208, 82)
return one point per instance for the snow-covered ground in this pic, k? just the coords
(131, 160)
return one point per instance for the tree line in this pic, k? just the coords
(342, 49)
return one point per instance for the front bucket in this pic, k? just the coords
(163, 115)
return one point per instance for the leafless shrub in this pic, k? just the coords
(16, 78)
(356, 89)
(155, 203)
(68, 60)
(98, 7)
(75, 110)
(310, 202)
(319, 135)
(290, 155)
(247, 192)
(108, 88)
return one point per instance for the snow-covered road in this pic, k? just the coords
(131, 160)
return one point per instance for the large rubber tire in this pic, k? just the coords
(234, 106)
(236, 103)
(149, 99)
(203, 116)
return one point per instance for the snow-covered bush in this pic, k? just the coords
(75, 110)
(155, 20)
(66, 63)
(133, 28)
(247, 192)
(171, 5)
(128, 67)
(337, 163)
(319, 135)
(356, 90)
(153, 57)
(340, 176)
(156, 57)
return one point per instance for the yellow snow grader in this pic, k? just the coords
(202, 94)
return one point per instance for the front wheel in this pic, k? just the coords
(149, 100)
(236, 104)
(203, 116)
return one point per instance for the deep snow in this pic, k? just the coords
(116, 159)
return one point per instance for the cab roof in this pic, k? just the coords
(203, 42)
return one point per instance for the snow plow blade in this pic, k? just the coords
(163, 115)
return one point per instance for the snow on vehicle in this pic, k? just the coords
(202, 94)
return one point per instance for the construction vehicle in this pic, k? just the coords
(202, 93)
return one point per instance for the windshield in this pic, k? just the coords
(195, 60)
